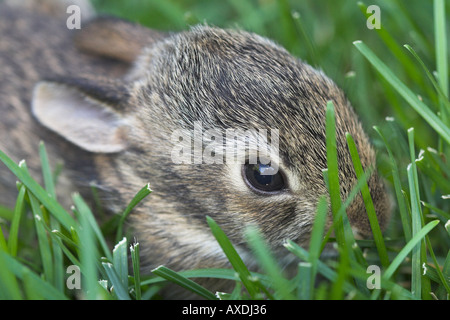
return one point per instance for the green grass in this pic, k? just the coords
(397, 80)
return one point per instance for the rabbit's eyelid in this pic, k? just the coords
(261, 159)
(251, 146)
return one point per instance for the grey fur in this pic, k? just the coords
(223, 78)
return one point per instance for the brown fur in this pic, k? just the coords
(223, 78)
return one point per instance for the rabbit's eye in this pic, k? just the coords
(259, 177)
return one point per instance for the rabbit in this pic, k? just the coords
(108, 98)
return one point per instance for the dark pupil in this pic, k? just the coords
(259, 177)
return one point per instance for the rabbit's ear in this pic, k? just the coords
(89, 114)
(116, 38)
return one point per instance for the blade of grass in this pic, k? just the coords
(3, 244)
(31, 291)
(421, 108)
(89, 218)
(333, 171)
(416, 225)
(184, 282)
(50, 188)
(437, 161)
(51, 204)
(410, 23)
(433, 174)
(444, 216)
(396, 49)
(57, 237)
(417, 237)
(446, 266)
(417, 218)
(14, 230)
(44, 244)
(232, 255)
(439, 89)
(315, 243)
(76, 239)
(87, 248)
(46, 290)
(46, 171)
(404, 216)
(134, 249)
(6, 213)
(119, 289)
(120, 261)
(8, 282)
(310, 47)
(322, 268)
(440, 38)
(376, 230)
(65, 250)
(269, 264)
(65, 238)
(397, 261)
(305, 288)
(341, 225)
(341, 229)
(431, 272)
(263, 286)
(144, 192)
(150, 292)
(342, 213)
(343, 267)
(443, 280)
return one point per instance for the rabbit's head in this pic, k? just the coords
(221, 123)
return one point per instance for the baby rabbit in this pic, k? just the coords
(107, 100)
